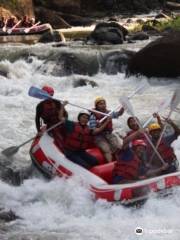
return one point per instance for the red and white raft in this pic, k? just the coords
(39, 29)
(51, 161)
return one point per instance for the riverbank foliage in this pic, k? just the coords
(173, 24)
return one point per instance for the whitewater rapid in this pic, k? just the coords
(64, 209)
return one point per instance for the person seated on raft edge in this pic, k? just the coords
(2, 22)
(105, 140)
(25, 22)
(11, 22)
(132, 164)
(49, 111)
(164, 147)
(78, 137)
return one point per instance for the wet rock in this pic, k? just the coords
(70, 63)
(139, 36)
(51, 16)
(108, 33)
(173, 5)
(75, 20)
(114, 62)
(16, 177)
(84, 82)
(147, 28)
(8, 216)
(159, 58)
(4, 73)
(52, 36)
(69, 6)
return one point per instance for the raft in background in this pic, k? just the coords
(19, 35)
(51, 162)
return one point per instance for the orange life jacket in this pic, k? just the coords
(79, 139)
(109, 126)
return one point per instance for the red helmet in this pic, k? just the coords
(139, 142)
(48, 89)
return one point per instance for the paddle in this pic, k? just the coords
(28, 29)
(127, 105)
(139, 90)
(163, 105)
(4, 28)
(9, 31)
(14, 149)
(175, 100)
(39, 93)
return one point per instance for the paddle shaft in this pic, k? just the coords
(161, 107)
(152, 145)
(28, 29)
(10, 30)
(117, 108)
(130, 109)
(173, 104)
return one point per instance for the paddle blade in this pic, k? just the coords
(9, 31)
(38, 93)
(127, 105)
(10, 151)
(142, 87)
(175, 100)
(27, 30)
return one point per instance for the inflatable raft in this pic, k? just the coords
(22, 31)
(51, 162)
(20, 35)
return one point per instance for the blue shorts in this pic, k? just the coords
(117, 179)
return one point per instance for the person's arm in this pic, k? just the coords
(118, 113)
(155, 172)
(157, 116)
(132, 136)
(62, 112)
(102, 127)
(174, 126)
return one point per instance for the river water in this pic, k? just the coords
(64, 209)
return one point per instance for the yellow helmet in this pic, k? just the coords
(98, 99)
(154, 126)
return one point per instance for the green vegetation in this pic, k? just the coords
(9, 3)
(174, 24)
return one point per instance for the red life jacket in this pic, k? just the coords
(140, 136)
(129, 169)
(109, 126)
(79, 139)
(165, 151)
(50, 112)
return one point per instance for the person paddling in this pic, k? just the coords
(49, 111)
(133, 163)
(105, 140)
(79, 137)
(164, 148)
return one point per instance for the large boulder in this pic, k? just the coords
(115, 61)
(160, 58)
(68, 6)
(75, 63)
(108, 33)
(52, 36)
(52, 17)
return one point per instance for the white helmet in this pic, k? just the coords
(84, 112)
